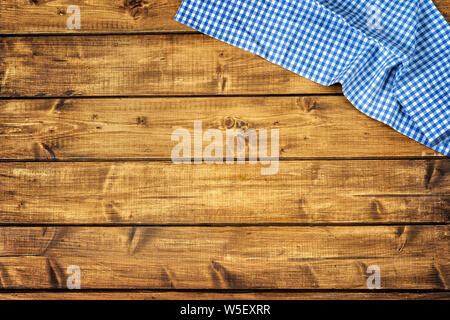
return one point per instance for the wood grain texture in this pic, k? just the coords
(411, 257)
(49, 16)
(117, 65)
(67, 129)
(201, 295)
(214, 227)
(354, 191)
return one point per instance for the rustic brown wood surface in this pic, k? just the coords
(152, 65)
(411, 257)
(358, 191)
(86, 179)
(100, 16)
(317, 126)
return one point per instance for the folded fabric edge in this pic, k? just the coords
(198, 27)
(442, 146)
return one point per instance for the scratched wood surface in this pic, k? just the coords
(351, 191)
(67, 129)
(86, 118)
(412, 257)
(139, 65)
(317, 126)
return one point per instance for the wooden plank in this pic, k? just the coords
(409, 257)
(43, 16)
(354, 191)
(117, 65)
(67, 129)
(201, 295)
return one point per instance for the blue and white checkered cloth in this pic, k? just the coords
(392, 57)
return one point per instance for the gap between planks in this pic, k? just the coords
(223, 295)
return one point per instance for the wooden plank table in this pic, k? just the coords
(86, 177)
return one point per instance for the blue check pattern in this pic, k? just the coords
(392, 57)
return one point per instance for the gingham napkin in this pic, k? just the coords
(392, 57)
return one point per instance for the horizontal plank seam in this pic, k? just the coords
(222, 225)
(286, 159)
(79, 97)
(106, 290)
(87, 34)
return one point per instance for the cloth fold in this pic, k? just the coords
(391, 57)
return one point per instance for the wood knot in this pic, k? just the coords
(57, 105)
(21, 205)
(228, 123)
(137, 8)
(435, 172)
(233, 123)
(61, 11)
(308, 104)
(43, 152)
(141, 121)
